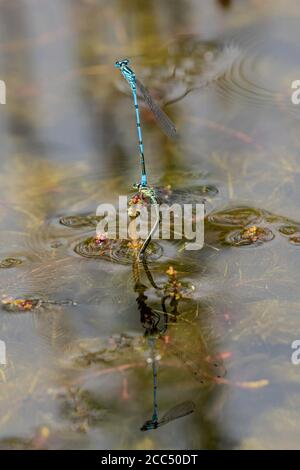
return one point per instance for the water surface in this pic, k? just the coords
(78, 372)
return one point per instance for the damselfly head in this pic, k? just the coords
(120, 63)
(148, 425)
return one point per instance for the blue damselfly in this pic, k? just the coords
(163, 120)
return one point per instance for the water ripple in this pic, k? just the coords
(250, 236)
(236, 217)
(120, 251)
(256, 75)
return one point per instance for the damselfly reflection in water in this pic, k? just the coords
(156, 325)
(150, 322)
(178, 411)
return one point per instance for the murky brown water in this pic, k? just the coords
(85, 325)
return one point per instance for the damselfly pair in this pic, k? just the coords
(165, 123)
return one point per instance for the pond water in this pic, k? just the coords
(88, 329)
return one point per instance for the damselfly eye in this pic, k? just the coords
(120, 63)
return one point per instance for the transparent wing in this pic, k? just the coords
(183, 409)
(186, 195)
(163, 120)
(179, 411)
(148, 425)
(204, 370)
(190, 348)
